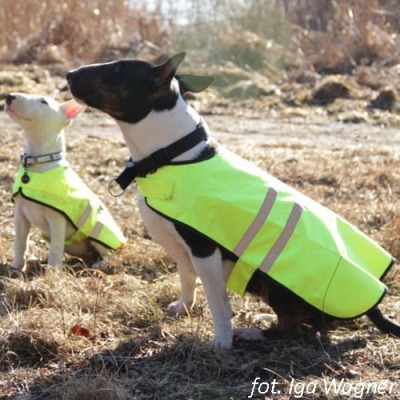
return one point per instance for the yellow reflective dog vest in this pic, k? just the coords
(63, 190)
(274, 228)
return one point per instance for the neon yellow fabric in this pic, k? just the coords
(326, 261)
(63, 190)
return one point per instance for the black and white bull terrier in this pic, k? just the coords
(147, 103)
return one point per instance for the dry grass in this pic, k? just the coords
(336, 36)
(327, 36)
(91, 335)
(49, 32)
(263, 35)
(105, 335)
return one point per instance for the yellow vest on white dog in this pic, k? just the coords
(63, 190)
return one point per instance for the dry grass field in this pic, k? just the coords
(279, 100)
(86, 334)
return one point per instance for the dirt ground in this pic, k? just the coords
(135, 350)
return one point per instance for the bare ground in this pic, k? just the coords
(84, 334)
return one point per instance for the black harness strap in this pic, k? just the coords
(160, 157)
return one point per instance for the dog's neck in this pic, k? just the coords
(39, 144)
(161, 128)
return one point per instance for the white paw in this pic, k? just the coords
(179, 307)
(18, 264)
(222, 342)
(248, 334)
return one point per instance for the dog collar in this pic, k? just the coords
(157, 159)
(28, 161)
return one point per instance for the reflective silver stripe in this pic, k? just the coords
(257, 223)
(85, 215)
(284, 237)
(96, 230)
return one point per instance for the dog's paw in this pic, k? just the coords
(221, 342)
(179, 307)
(18, 265)
(248, 335)
(101, 265)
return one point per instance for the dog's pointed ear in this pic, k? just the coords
(71, 109)
(163, 74)
(194, 83)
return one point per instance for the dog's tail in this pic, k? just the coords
(383, 323)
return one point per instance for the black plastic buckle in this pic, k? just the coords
(160, 158)
(151, 164)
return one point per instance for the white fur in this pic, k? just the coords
(43, 120)
(160, 129)
(157, 130)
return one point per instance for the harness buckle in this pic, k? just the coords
(150, 165)
(161, 158)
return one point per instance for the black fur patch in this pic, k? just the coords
(126, 90)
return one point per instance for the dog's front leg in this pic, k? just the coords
(22, 227)
(211, 274)
(58, 225)
(187, 277)
(164, 232)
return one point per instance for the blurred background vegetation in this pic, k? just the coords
(261, 35)
(248, 45)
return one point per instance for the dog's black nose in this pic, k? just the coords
(10, 98)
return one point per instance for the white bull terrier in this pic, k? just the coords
(47, 193)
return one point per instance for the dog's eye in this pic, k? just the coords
(43, 101)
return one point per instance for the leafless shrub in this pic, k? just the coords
(49, 31)
(333, 36)
(386, 99)
(337, 35)
(330, 89)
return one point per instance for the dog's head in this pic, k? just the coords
(43, 114)
(128, 90)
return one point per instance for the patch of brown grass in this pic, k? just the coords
(85, 334)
